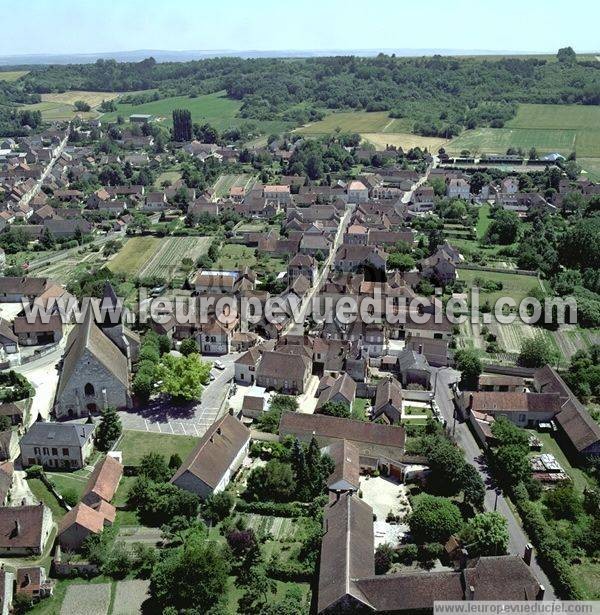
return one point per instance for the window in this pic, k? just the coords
(89, 389)
(521, 418)
(36, 450)
(55, 452)
(65, 452)
(46, 450)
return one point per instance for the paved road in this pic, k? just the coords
(190, 420)
(474, 455)
(307, 301)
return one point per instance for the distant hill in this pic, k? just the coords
(184, 56)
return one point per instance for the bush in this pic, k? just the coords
(408, 554)
(290, 509)
(34, 472)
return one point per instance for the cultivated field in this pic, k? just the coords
(134, 255)
(548, 128)
(352, 121)
(591, 166)
(92, 599)
(404, 140)
(154, 256)
(12, 75)
(225, 182)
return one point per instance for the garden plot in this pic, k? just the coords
(88, 598)
(166, 262)
(129, 597)
(570, 339)
(278, 527)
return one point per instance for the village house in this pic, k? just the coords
(285, 372)
(336, 390)
(303, 265)
(246, 365)
(37, 332)
(215, 459)
(82, 521)
(458, 188)
(214, 337)
(388, 401)
(24, 530)
(346, 471)
(103, 482)
(57, 445)
(31, 581)
(500, 383)
(357, 192)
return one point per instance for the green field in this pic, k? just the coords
(548, 128)
(513, 285)
(234, 256)
(591, 167)
(216, 109)
(355, 121)
(134, 255)
(12, 75)
(135, 444)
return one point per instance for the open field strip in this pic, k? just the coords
(134, 255)
(12, 75)
(403, 140)
(172, 250)
(556, 117)
(348, 121)
(93, 99)
(513, 284)
(225, 182)
(590, 167)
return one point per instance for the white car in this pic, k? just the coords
(218, 365)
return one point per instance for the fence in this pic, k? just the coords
(497, 269)
(42, 352)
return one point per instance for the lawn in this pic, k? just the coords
(135, 444)
(134, 255)
(556, 117)
(588, 573)
(483, 221)
(64, 481)
(12, 75)
(172, 176)
(359, 408)
(513, 285)
(41, 492)
(233, 256)
(591, 167)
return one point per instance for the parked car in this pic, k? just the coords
(219, 365)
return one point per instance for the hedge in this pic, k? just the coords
(555, 565)
(290, 571)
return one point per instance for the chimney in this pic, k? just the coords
(212, 439)
(219, 430)
(27, 580)
(17, 531)
(420, 348)
(463, 558)
(541, 592)
(471, 593)
(231, 411)
(528, 553)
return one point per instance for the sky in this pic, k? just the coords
(93, 26)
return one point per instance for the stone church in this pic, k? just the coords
(96, 367)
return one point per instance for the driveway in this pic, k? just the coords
(475, 456)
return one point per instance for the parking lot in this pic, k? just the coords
(190, 420)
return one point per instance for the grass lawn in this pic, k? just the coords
(172, 175)
(134, 255)
(483, 221)
(555, 117)
(136, 444)
(233, 256)
(513, 285)
(359, 407)
(12, 75)
(588, 573)
(64, 481)
(41, 492)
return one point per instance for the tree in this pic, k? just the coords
(503, 228)
(154, 467)
(174, 581)
(384, 557)
(535, 352)
(174, 461)
(433, 519)
(188, 346)
(564, 502)
(486, 534)
(512, 465)
(143, 385)
(402, 262)
(507, 433)
(257, 592)
(81, 105)
(108, 430)
(182, 377)
(182, 125)
(468, 363)
(161, 502)
(217, 507)
(336, 408)
(272, 482)
(473, 486)
(566, 55)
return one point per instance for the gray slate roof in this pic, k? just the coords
(58, 434)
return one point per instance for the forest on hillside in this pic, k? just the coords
(442, 95)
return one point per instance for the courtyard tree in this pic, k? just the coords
(486, 534)
(108, 430)
(434, 519)
(183, 377)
